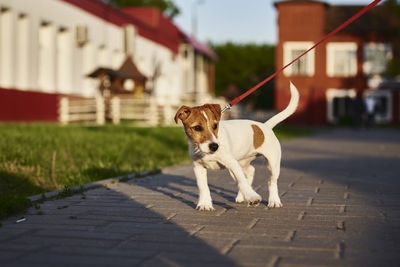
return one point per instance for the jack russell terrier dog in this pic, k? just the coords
(233, 144)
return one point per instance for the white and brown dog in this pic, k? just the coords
(233, 144)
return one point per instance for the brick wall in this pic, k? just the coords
(305, 22)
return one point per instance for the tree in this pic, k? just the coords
(166, 6)
(244, 65)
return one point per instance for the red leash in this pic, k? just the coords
(350, 20)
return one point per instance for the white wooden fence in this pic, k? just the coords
(97, 110)
(82, 110)
(142, 110)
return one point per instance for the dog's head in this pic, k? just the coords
(201, 125)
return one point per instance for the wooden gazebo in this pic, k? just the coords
(126, 80)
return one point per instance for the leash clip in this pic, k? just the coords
(228, 106)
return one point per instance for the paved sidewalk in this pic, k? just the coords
(341, 197)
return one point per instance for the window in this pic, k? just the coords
(199, 62)
(383, 106)
(341, 59)
(376, 57)
(339, 104)
(302, 67)
(81, 35)
(129, 84)
(185, 51)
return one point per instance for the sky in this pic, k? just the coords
(241, 21)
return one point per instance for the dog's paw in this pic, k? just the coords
(274, 203)
(204, 207)
(239, 198)
(254, 200)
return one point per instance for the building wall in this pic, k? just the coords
(186, 61)
(305, 22)
(299, 22)
(52, 62)
(148, 57)
(17, 105)
(38, 50)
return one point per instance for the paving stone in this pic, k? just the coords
(93, 235)
(68, 259)
(341, 208)
(143, 227)
(12, 233)
(265, 254)
(52, 226)
(65, 241)
(178, 259)
(90, 251)
(7, 256)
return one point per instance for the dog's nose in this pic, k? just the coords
(213, 147)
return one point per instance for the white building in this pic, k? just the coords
(49, 47)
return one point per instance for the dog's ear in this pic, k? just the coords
(182, 113)
(215, 109)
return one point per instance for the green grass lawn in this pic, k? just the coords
(35, 158)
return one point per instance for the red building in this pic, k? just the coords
(350, 63)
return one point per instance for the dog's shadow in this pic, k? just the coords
(185, 190)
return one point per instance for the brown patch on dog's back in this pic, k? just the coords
(258, 136)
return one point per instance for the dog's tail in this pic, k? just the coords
(289, 110)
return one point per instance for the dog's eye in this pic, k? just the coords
(215, 126)
(198, 128)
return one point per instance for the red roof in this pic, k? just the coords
(151, 16)
(149, 21)
(104, 11)
(154, 18)
(166, 35)
(163, 30)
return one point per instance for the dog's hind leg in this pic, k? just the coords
(274, 166)
(249, 172)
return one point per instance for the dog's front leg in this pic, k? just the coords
(249, 172)
(205, 202)
(244, 187)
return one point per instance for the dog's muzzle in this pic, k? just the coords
(213, 147)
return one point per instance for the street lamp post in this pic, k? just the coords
(195, 4)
